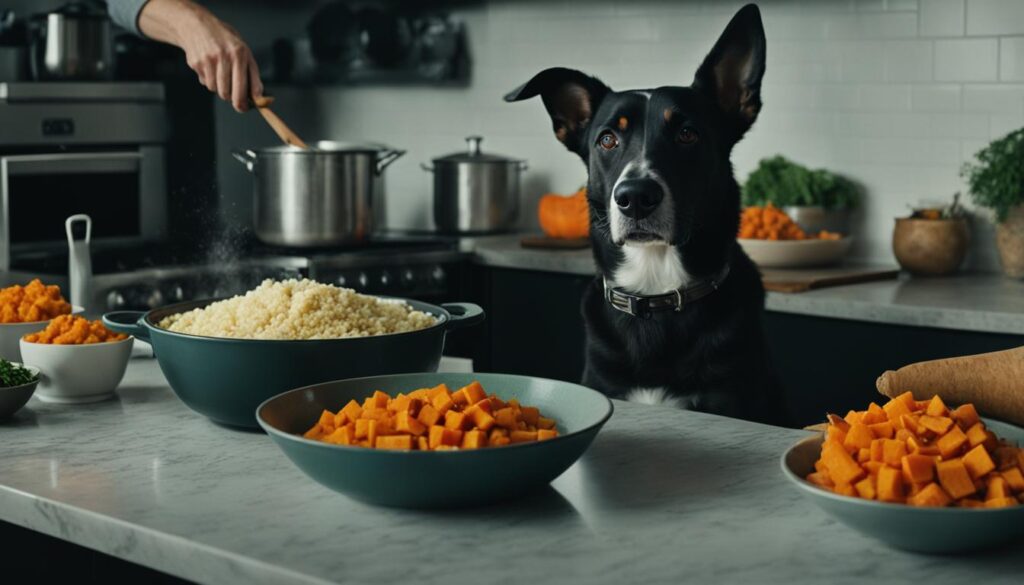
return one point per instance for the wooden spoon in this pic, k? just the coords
(285, 133)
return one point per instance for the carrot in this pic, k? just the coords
(993, 382)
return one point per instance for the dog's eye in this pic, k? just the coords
(607, 140)
(687, 136)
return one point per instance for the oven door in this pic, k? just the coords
(120, 191)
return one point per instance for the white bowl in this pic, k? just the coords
(11, 334)
(796, 253)
(74, 374)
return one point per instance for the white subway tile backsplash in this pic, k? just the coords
(1011, 59)
(998, 99)
(909, 60)
(941, 18)
(995, 17)
(967, 60)
(885, 98)
(935, 98)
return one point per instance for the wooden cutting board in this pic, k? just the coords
(794, 281)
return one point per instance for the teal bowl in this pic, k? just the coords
(225, 379)
(444, 479)
(922, 530)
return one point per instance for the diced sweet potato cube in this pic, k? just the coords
(474, 440)
(841, 466)
(918, 468)
(1001, 503)
(872, 467)
(315, 432)
(474, 392)
(866, 488)
(903, 435)
(875, 414)
(422, 393)
(845, 489)
(496, 403)
(352, 410)
(836, 433)
(890, 485)
(443, 436)
(341, 436)
(439, 390)
(863, 455)
(380, 399)
(460, 398)
(485, 405)
(978, 462)
(529, 415)
(991, 442)
(522, 436)
(405, 423)
(858, 437)
(428, 415)
(545, 423)
(931, 496)
(480, 418)
(955, 479)
(895, 409)
(341, 419)
(936, 407)
(377, 414)
(976, 434)
(876, 449)
(442, 402)
(403, 442)
(996, 487)
(893, 451)
(966, 416)
(1014, 478)
(454, 420)
(1020, 459)
(970, 503)
(920, 446)
(326, 419)
(936, 424)
(499, 442)
(372, 431)
(398, 403)
(951, 444)
(546, 434)
(821, 480)
(883, 430)
(422, 444)
(363, 428)
(497, 432)
(910, 423)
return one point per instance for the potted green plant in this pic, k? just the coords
(816, 199)
(996, 181)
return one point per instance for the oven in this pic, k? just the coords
(60, 155)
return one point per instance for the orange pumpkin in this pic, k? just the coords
(564, 216)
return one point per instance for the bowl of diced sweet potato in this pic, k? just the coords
(435, 440)
(917, 475)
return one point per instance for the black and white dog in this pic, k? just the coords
(675, 313)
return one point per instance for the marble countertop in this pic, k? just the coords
(662, 496)
(970, 302)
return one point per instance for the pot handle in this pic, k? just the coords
(246, 157)
(130, 322)
(426, 167)
(387, 157)
(463, 314)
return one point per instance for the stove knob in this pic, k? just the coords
(154, 299)
(363, 280)
(176, 293)
(341, 281)
(115, 300)
(408, 278)
(438, 275)
(385, 279)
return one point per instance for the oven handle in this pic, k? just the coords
(70, 163)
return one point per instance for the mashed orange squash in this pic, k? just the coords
(74, 330)
(33, 302)
(771, 223)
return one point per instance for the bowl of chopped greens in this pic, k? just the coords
(17, 383)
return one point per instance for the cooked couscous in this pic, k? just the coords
(299, 309)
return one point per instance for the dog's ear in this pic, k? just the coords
(571, 98)
(731, 73)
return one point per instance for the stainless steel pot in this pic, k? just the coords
(475, 192)
(321, 196)
(73, 43)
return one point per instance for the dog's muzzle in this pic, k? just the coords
(638, 198)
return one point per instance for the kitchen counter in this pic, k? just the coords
(970, 302)
(663, 495)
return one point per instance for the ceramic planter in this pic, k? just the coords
(930, 247)
(1010, 242)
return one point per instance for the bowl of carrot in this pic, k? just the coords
(773, 240)
(435, 440)
(917, 474)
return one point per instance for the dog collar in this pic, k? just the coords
(643, 306)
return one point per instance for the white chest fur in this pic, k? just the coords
(651, 270)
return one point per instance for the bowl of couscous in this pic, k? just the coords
(223, 357)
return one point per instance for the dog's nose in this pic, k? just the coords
(637, 198)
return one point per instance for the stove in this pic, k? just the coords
(145, 277)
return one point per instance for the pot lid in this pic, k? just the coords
(473, 154)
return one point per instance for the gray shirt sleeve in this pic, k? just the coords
(126, 13)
